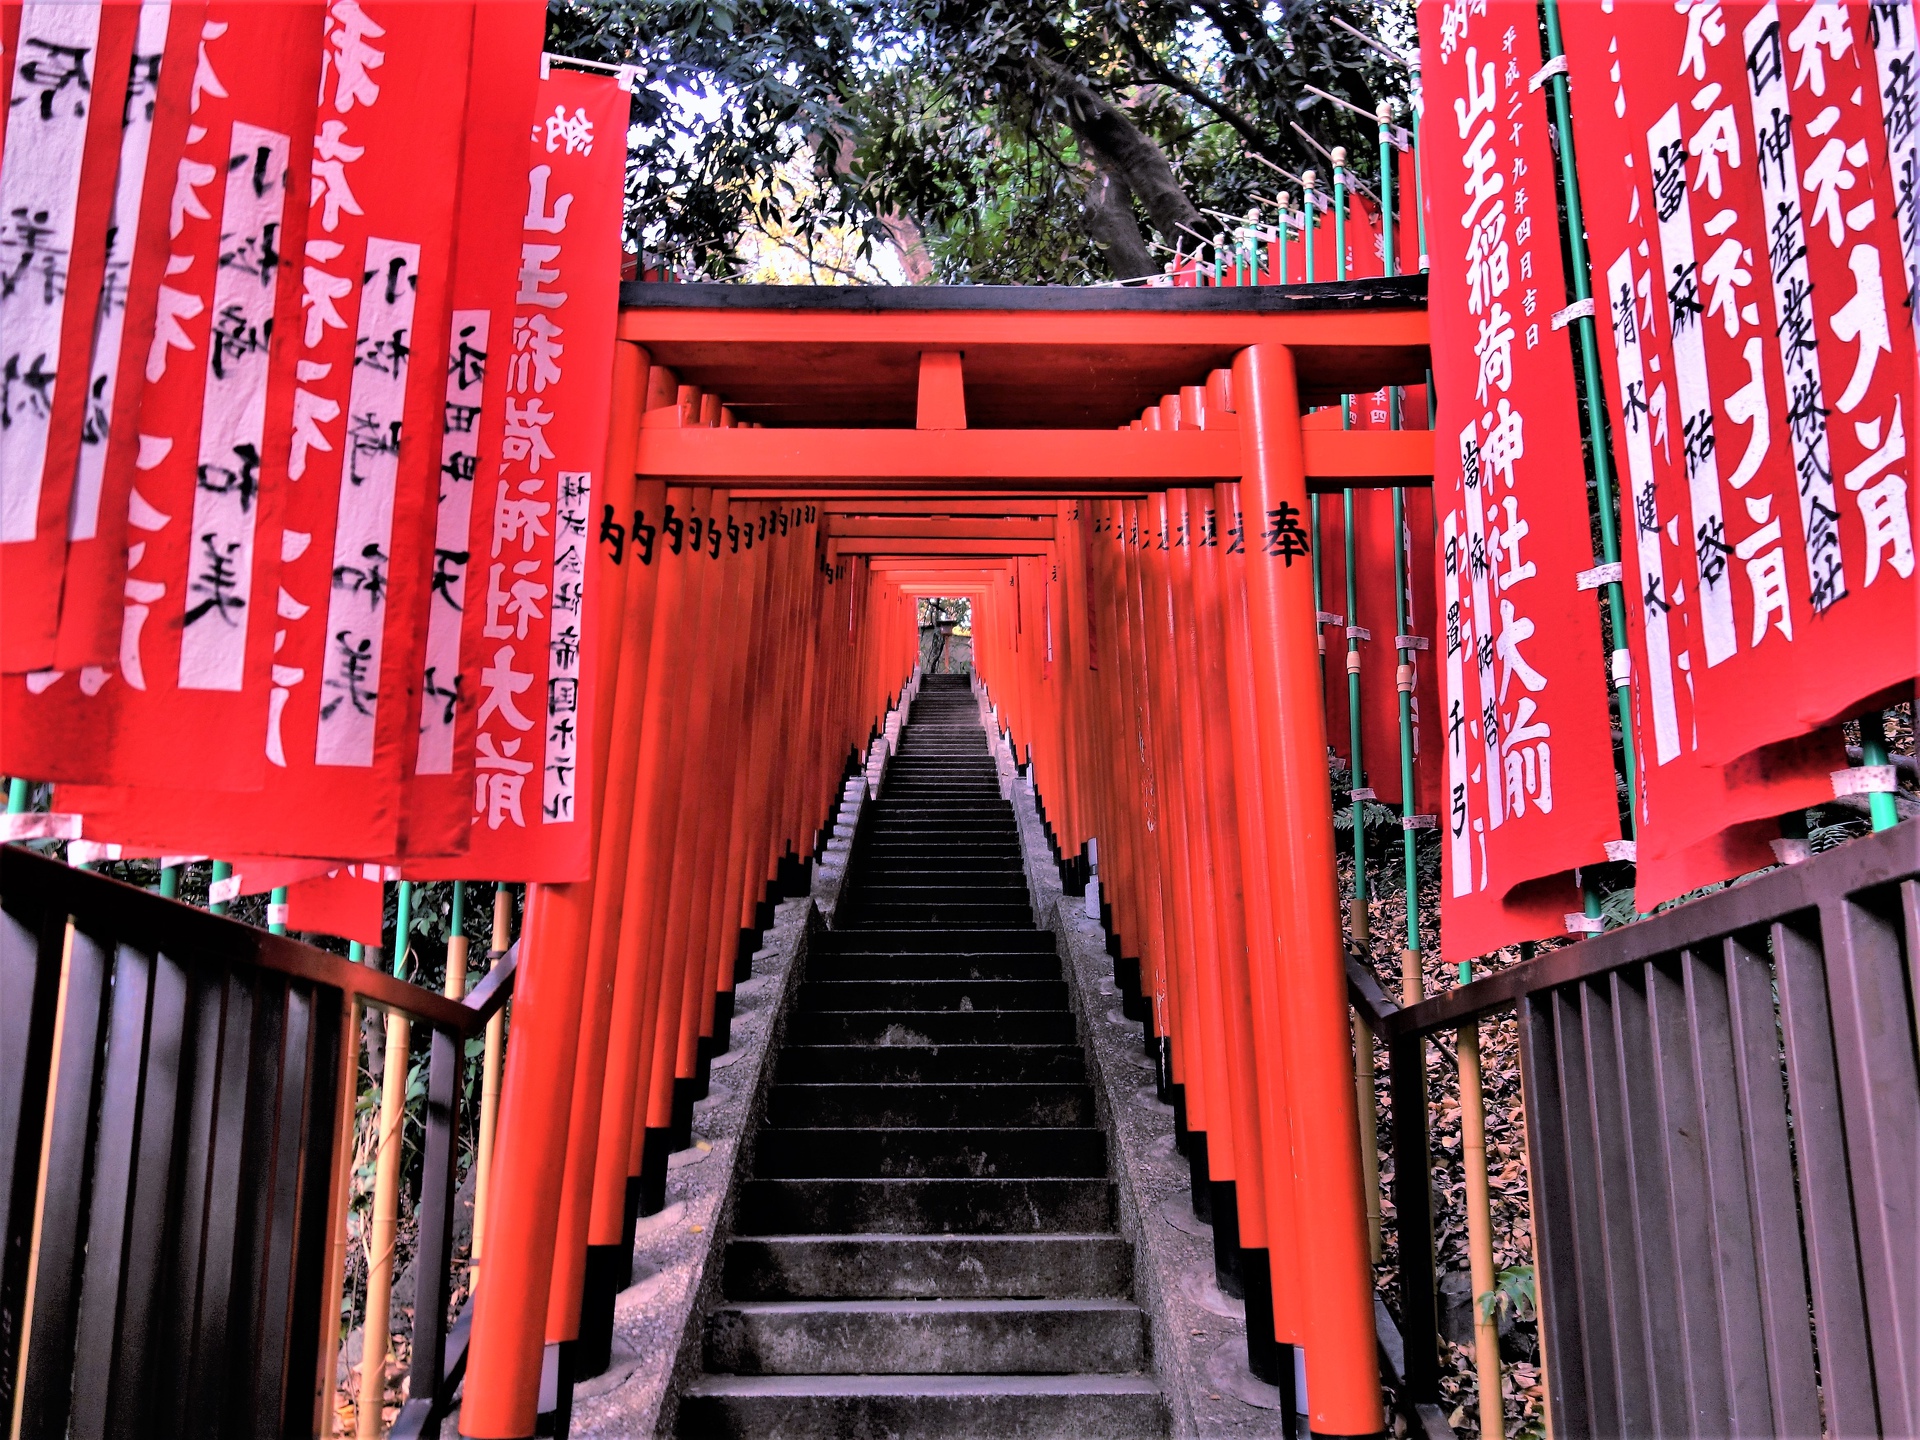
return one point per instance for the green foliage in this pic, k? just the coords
(980, 124)
(1512, 1290)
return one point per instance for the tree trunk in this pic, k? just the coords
(1108, 219)
(1121, 149)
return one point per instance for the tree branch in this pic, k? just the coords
(1151, 63)
(1109, 221)
(1119, 147)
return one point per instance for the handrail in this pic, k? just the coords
(1696, 987)
(1805, 886)
(494, 991)
(189, 934)
(133, 939)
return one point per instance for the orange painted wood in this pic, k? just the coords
(1095, 458)
(943, 396)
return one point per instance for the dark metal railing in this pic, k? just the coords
(176, 1113)
(1723, 1143)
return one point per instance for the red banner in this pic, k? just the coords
(349, 902)
(55, 203)
(356, 458)
(534, 526)
(205, 528)
(160, 87)
(501, 93)
(1726, 474)
(1530, 787)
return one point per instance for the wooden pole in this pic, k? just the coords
(490, 1079)
(1473, 1156)
(376, 1333)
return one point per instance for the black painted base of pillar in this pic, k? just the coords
(1284, 1361)
(1150, 1038)
(702, 1070)
(1263, 1350)
(748, 942)
(556, 1391)
(654, 1149)
(1199, 1188)
(722, 1023)
(1178, 1099)
(593, 1351)
(630, 1221)
(763, 912)
(680, 1127)
(1226, 1238)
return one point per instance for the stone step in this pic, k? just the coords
(933, 1027)
(930, 1105)
(933, 995)
(927, 1337)
(925, 1206)
(1065, 1266)
(879, 940)
(947, 914)
(923, 1407)
(898, 1152)
(928, 1064)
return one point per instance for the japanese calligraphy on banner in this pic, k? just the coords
(353, 461)
(1529, 776)
(501, 93)
(153, 131)
(198, 509)
(528, 580)
(54, 213)
(1746, 265)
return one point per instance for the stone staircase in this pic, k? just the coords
(926, 1244)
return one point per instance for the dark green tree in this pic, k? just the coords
(1057, 140)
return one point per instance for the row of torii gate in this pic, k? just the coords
(982, 443)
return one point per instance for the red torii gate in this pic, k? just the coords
(943, 428)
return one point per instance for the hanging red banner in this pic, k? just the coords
(1529, 778)
(532, 594)
(349, 902)
(501, 90)
(357, 459)
(1699, 368)
(55, 206)
(191, 630)
(166, 47)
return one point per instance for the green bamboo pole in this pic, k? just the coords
(1412, 976)
(1359, 927)
(1603, 479)
(1285, 236)
(222, 870)
(19, 792)
(277, 907)
(1873, 751)
(402, 927)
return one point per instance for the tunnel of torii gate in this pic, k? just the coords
(950, 437)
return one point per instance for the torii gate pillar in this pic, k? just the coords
(1343, 1375)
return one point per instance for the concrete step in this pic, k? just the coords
(932, 1027)
(928, 1064)
(930, 1105)
(925, 1206)
(933, 995)
(1065, 1266)
(951, 914)
(923, 1407)
(908, 940)
(927, 1337)
(896, 1153)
